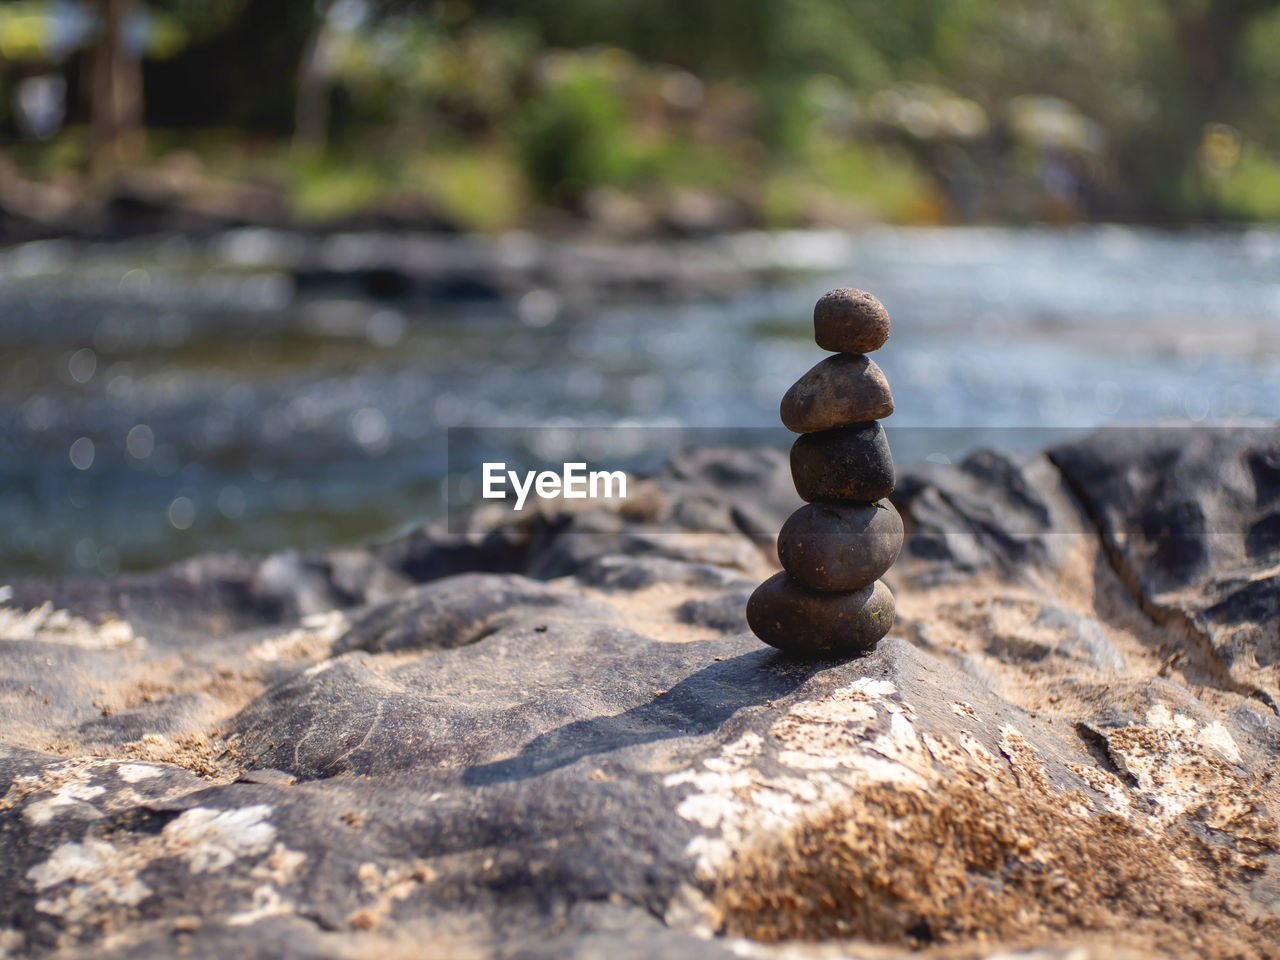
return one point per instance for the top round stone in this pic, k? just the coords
(850, 321)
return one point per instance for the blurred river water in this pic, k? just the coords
(169, 397)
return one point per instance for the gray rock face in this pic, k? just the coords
(462, 610)
(993, 512)
(551, 737)
(1191, 520)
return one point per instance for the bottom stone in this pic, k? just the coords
(788, 615)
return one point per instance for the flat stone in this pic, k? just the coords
(847, 463)
(840, 546)
(836, 392)
(786, 614)
(847, 320)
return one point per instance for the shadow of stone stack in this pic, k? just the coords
(829, 601)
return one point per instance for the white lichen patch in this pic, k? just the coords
(946, 753)
(277, 869)
(856, 735)
(312, 639)
(846, 730)
(1106, 783)
(11, 942)
(137, 772)
(1022, 756)
(94, 877)
(76, 794)
(87, 788)
(1216, 737)
(821, 755)
(382, 887)
(280, 866)
(1212, 735)
(1181, 765)
(318, 668)
(871, 688)
(267, 902)
(212, 839)
(976, 750)
(44, 624)
(99, 875)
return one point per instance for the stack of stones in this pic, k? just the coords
(830, 602)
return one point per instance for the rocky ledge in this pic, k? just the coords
(553, 737)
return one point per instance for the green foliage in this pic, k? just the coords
(709, 37)
(1147, 76)
(1252, 190)
(479, 188)
(571, 134)
(804, 109)
(463, 82)
(833, 181)
(327, 187)
(1260, 66)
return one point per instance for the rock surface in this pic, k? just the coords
(548, 737)
(836, 392)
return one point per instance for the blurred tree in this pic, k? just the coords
(311, 112)
(114, 89)
(1210, 38)
(570, 134)
(240, 68)
(1156, 89)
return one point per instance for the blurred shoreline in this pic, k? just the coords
(124, 118)
(175, 196)
(257, 390)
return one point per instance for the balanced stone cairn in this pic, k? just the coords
(830, 602)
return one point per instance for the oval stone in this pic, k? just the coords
(840, 546)
(786, 614)
(850, 321)
(847, 463)
(840, 390)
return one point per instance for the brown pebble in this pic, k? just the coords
(847, 463)
(786, 614)
(850, 321)
(840, 390)
(840, 546)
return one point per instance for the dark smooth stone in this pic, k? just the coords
(786, 614)
(840, 546)
(847, 463)
(850, 321)
(840, 390)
